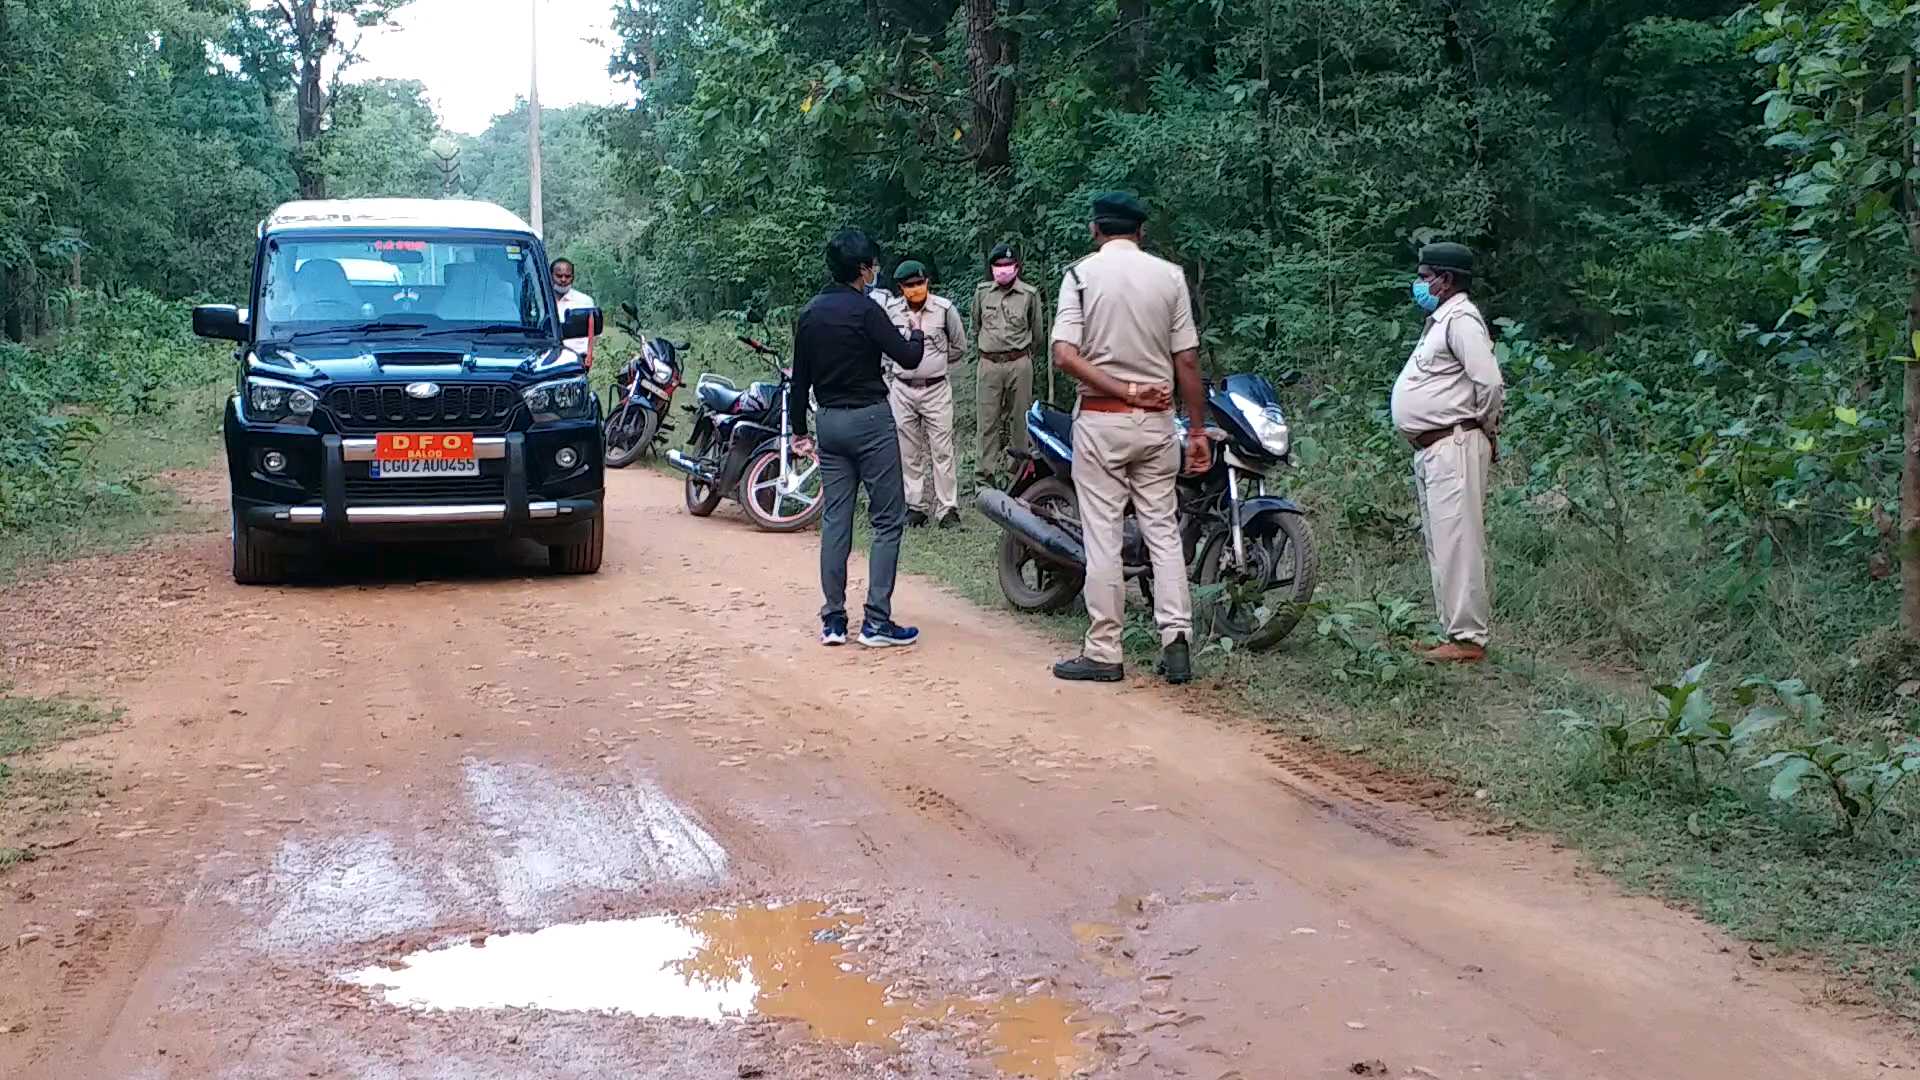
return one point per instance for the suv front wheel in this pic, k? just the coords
(583, 557)
(253, 564)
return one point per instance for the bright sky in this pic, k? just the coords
(473, 55)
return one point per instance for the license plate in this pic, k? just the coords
(424, 454)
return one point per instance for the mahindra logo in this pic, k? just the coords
(423, 390)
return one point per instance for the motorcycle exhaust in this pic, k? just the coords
(1048, 541)
(687, 465)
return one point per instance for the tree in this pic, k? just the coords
(993, 60)
(1843, 110)
(312, 31)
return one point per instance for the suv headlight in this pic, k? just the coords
(272, 402)
(561, 399)
(1268, 423)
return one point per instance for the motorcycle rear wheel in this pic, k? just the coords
(630, 433)
(1283, 566)
(1031, 584)
(702, 498)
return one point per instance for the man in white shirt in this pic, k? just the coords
(1447, 404)
(570, 298)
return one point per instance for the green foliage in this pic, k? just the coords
(1376, 636)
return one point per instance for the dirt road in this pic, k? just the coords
(339, 813)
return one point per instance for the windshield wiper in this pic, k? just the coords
(357, 328)
(484, 329)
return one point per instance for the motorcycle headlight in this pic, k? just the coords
(1268, 423)
(662, 373)
(561, 399)
(272, 402)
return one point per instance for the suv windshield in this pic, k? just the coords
(374, 284)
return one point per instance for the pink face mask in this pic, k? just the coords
(1004, 275)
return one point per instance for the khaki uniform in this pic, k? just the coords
(1129, 313)
(1007, 325)
(1453, 379)
(922, 402)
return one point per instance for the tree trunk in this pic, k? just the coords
(1910, 459)
(991, 46)
(1130, 67)
(12, 306)
(313, 39)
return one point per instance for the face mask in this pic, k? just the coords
(1423, 296)
(915, 294)
(1005, 275)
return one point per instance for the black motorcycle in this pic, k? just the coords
(1253, 550)
(637, 401)
(742, 445)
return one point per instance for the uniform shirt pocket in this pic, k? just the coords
(1431, 356)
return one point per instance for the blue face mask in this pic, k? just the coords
(1423, 296)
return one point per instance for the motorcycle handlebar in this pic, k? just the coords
(755, 346)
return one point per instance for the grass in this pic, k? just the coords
(121, 496)
(33, 794)
(1580, 626)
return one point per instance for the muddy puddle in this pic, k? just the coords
(786, 961)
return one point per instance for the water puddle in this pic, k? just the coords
(783, 961)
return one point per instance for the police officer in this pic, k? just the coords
(922, 399)
(1447, 403)
(1125, 333)
(1007, 319)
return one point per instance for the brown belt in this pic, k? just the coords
(1111, 405)
(935, 381)
(1427, 438)
(1004, 357)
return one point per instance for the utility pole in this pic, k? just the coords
(533, 123)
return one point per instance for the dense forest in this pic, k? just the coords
(1697, 224)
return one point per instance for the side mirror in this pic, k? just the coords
(581, 322)
(631, 312)
(221, 321)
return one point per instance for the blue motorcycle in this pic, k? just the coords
(1256, 547)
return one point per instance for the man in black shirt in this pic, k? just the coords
(837, 344)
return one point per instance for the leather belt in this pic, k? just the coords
(1004, 357)
(1426, 439)
(1111, 405)
(917, 383)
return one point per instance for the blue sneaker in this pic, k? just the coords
(887, 635)
(833, 630)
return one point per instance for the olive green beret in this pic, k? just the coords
(1448, 256)
(909, 270)
(1119, 206)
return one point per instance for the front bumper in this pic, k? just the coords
(326, 494)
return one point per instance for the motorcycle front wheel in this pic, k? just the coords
(1031, 584)
(782, 502)
(1260, 604)
(630, 432)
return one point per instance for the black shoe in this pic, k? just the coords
(833, 630)
(950, 519)
(916, 520)
(1176, 661)
(1081, 669)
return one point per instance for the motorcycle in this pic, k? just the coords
(742, 445)
(1254, 549)
(637, 401)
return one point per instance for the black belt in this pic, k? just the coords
(935, 381)
(1427, 438)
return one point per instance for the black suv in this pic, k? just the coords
(404, 375)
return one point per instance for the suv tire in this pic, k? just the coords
(253, 564)
(583, 557)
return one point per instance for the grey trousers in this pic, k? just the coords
(859, 447)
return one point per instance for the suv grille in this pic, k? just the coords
(462, 408)
(362, 491)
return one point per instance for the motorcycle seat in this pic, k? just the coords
(721, 399)
(1055, 423)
